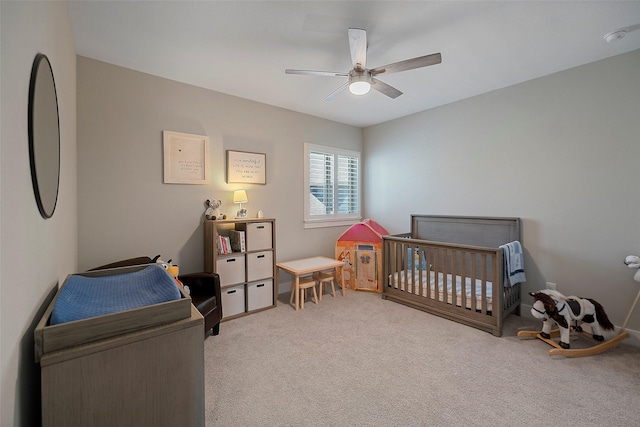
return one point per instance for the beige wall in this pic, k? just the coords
(124, 207)
(561, 152)
(35, 254)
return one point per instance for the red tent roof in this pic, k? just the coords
(365, 231)
(377, 227)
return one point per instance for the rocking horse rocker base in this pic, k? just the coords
(559, 350)
(553, 307)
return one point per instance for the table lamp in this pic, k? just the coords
(240, 196)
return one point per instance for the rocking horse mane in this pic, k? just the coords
(602, 317)
(548, 302)
(550, 307)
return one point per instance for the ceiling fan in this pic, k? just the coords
(361, 79)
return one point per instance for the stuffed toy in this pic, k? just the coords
(552, 307)
(173, 271)
(633, 261)
(213, 210)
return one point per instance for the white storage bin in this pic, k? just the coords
(259, 265)
(230, 269)
(232, 301)
(259, 295)
(258, 236)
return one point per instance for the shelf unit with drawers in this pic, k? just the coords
(247, 278)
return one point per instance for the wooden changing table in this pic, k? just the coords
(140, 367)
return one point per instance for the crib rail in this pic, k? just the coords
(415, 272)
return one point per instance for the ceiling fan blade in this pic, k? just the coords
(358, 48)
(335, 92)
(316, 73)
(408, 64)
(384, 88)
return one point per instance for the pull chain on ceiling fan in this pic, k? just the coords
(362, 79)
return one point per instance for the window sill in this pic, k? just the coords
(331, 223)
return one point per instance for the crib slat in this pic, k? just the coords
(442, 256)
(464, 275)
(405, 272)
(483, 273)
(420, 257)
(436, 269)
(474, 302)
(429, 258)
(415, 271)
(398, 263)
(452, 259)
(461, 296)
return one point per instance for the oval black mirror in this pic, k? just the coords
(44, 136)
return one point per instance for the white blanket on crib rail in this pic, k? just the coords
(429, 282)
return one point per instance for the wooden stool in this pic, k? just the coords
(305, 283)
(325, 278)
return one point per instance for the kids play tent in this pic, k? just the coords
(360, 248)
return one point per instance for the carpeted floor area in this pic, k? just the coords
(365, 361)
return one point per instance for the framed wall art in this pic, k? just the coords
(244, 167)
(186, 158)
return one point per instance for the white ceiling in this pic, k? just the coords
(243, 47)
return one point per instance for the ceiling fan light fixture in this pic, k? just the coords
(360, 88)
(359, 82)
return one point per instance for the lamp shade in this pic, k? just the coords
(240, 196)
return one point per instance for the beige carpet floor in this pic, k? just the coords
(365, 361)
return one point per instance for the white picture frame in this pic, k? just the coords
(186, 158)
(246, 167)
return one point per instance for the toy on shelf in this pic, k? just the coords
(213, 210)
(553, 307)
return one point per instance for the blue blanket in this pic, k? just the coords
(514, 264)
(82, 297)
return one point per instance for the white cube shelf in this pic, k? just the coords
(248, 278)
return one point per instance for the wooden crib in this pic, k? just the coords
(453, 267)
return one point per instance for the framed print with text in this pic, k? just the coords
(244, 167)
(186, 158)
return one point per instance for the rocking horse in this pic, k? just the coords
(553, 307)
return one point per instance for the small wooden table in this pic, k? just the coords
(300, 267)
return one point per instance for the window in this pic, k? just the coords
(332, 186)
